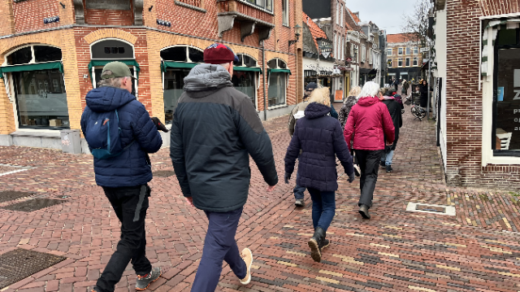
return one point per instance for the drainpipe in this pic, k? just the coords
(265, 72)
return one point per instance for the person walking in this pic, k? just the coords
(404, 91)
(349, 102)
(297, 113)
(214, 131)
(369, 123)
(394, 108)
(122, 168)
(318, 137)
(424, 93)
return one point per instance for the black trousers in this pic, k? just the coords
(130, 205)
(369, 164)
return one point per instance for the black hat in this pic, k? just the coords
(311, 86)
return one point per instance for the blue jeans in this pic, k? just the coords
(219, 245)
(388, 157)
(298, 191)
(323, 208)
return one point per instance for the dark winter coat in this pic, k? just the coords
(214, 130)
(369, 122)
(319, 138)
(333, 112)
(424, 95)
(132, 167)
(345, 109)
(394, 108)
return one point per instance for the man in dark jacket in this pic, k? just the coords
(214, 130)
(125, 178)
(395, 112)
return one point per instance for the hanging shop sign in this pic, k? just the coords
(325, 47)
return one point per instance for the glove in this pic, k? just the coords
(287, 177)
(160, 126)
(351, 177)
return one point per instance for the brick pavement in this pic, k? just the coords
(477, 250)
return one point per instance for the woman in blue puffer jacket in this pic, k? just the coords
(319, 138)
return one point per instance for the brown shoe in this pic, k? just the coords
(247, 256)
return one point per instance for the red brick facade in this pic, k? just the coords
(189, 26)
(464, 117)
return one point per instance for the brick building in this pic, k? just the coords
(53, 53)
(404, 59)
(477, 65)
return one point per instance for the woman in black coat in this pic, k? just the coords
(397, 118)
(319, 138)
(424, 93)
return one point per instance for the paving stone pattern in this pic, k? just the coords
(476, 250)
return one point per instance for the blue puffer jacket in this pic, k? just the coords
(320, 138)
(132, 167)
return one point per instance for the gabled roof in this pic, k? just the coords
(355, 17)
(400, 38)
(316, 31)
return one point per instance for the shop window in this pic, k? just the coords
(506, 109)
(264, 4)
(400, 63)
(407, 62)
(245, 81)
(277, 83)
(389, 52)
(285, 12)
(186, 57)
(41, 100)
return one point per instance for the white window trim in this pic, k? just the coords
(112, 39)
(391, 63)
(416, 61)
(285, 14)
(391, 51)
(400, 51)
(257, 82)
(342, 22)
(409, 62)
(286, 85)
(400, 60)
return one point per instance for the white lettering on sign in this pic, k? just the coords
(517, 96)
(517, 84)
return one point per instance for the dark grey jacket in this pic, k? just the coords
(214, 130)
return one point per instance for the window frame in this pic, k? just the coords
(391, 63)
(416, 50)
(93, 73)
(391, 51)
(363, 53)
(257, 78)
(264, 8)
(285, 13)
(269, 84)
(399, 62)
(407, 62)
(415, 61)
(408, 51)
(400, 51)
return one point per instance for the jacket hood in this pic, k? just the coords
(105, 99)
(206, 77)
(316, 110)
(367, 101)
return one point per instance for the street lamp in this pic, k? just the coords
(297, 33)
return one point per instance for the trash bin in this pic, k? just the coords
(70, 141)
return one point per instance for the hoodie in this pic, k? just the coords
(320, 139)
(369, 123)
(215, 130)
(132, 167)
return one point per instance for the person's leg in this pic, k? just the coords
(328, 202)
(298, 190)
(361, 157)
(389, 157)
(140, 263)
(133, 204)
(316, 206)
(219, 244)
(371, 171)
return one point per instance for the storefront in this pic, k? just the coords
(278, 76)
(33, 76)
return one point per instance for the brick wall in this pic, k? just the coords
(6, 17)
(109, 17)
(29, 14)
(464, 100)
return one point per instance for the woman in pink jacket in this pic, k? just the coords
(369, 122)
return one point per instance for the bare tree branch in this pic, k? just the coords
(416, 25)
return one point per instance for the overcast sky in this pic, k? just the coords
(386, 14)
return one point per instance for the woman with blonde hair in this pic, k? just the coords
(369, 122)
(318, 137)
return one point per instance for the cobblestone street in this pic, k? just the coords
(478, 249)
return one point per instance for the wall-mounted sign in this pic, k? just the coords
(424, 50)
(51, 19)
(325, 47)
(164, 23)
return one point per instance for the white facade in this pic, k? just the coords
(441, 72)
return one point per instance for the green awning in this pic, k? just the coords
(248, 69)
(31, 67)
(280, 71)
(101, 63)
(177, 65)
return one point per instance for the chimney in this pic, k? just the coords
(356, 14)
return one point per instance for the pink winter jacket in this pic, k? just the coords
(369, 122)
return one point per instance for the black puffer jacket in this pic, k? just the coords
(397, 118)
(214, 130)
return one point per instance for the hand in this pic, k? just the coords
(160, 126)
(190, 201)
(287, 177)
(389, 144)
(351, 177)
(271, 188)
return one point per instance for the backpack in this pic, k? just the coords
(103, 135)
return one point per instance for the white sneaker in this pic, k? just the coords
(247, 256)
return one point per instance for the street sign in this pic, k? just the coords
(424, 50)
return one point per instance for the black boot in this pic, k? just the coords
(315, 244)
(324, 243)
(363, 210)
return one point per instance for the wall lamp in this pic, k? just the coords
(297, 34)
